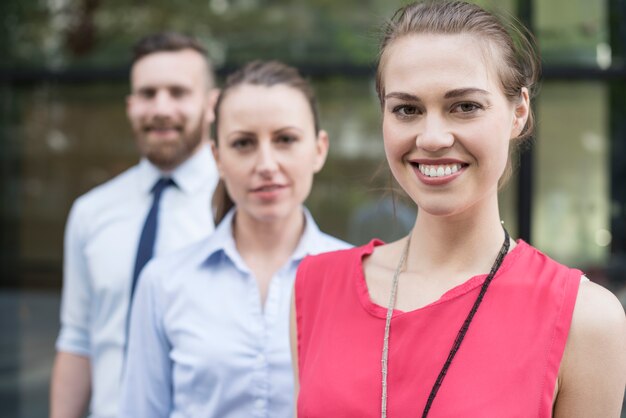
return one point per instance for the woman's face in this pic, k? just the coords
(446, 122)
(268, 150)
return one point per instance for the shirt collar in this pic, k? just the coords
(309, 242)
(189, 176)
(222, 239)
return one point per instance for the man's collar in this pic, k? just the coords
(190, 176)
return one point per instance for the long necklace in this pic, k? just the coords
(460, 335)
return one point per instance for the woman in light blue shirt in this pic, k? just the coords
(209, 332)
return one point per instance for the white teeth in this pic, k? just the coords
(439, 170)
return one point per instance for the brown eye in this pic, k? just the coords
(405, 110)
(178, 92)
(466, 107)
(242, 143)
(285, 139)
(146, 93)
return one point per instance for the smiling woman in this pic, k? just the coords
(449, 113)
(210, 324)
(457, 319)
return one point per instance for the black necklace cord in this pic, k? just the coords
(463, 330)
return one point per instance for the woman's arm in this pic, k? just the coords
(592, 376)
(293, 335)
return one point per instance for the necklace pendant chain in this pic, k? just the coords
(392, 303)
(460, 335)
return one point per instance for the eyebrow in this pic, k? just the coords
(402, 96)
(288, 128)
(252, 133)
(239, 133)
(449, 94)
(464, 92)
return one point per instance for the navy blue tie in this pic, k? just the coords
(148, 233)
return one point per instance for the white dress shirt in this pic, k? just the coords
(201, 344)
(101, 239)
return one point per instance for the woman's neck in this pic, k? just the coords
(467, 242)
(265, 246)
(267, 237)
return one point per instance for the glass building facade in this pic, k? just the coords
(63, 130)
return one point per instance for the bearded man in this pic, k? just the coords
(155, 207)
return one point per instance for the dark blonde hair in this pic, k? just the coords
(258, 73)
(518, 66)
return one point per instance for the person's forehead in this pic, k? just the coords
(169, 67)
(282, 104)
(443, 59)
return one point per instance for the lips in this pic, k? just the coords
(267, 188)
(162, 129)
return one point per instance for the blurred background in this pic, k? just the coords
(63, 130)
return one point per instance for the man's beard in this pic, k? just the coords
(167, 155)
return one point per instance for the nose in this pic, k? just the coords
(434, 134)
(267, 162)
(162, 103)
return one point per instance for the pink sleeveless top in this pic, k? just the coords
(507, 365)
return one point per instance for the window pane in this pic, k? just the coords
(72, 138)
(573, 32)
(571, 203)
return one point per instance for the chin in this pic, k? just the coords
(439, 207)
(273, 213)
(437, 211)
(167, 158)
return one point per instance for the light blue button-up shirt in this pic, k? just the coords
(101, 240)
(202, 345)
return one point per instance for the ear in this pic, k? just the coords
(321, 150)
(209, 115)
(129, 105)
(522, 111)
(216, 156)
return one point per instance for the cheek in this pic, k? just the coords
(136, 112)
(192, 111)
(193, 108)
(300, 168)
(304, 184)
(234, 186)
(395, 140)
(490, 151)
(233, 171)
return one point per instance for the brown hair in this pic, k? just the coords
(258, 73)
(519, 64)
(169, 41)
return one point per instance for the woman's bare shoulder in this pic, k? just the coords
(598, 313)
(593, 371)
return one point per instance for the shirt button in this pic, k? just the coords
(260, 403)
(260, 359)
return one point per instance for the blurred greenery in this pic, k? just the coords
(59, 34)
(84, 34)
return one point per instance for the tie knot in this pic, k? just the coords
(162, 184)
